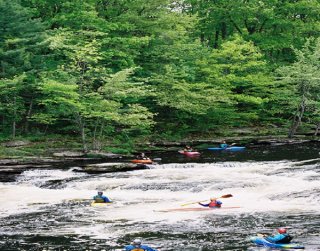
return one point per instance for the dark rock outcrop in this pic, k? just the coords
(110, 168)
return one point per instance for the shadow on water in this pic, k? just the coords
(303, 151)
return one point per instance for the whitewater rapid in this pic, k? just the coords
(264, 186)
(258, 188)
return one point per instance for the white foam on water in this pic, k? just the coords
(256, 187)
(139, 195)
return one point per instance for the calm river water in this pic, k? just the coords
(273, 186)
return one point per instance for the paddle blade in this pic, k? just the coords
(226, 196)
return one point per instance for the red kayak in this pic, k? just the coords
(190, 154)
(142, 161)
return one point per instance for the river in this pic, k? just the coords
(274, 186)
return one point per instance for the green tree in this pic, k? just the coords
(274, 25)
(239, 70)
(23, 51)
(302, 79)
(12, 107)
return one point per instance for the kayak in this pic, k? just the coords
(95, 204)
(190, 154)
(142, 161)
(193, 209)
(260, 241)
(230, 148)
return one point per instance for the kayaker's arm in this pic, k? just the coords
(107, 200)
(148, 248)
(275, 238)
(204, 205)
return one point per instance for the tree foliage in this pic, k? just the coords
(105, 69)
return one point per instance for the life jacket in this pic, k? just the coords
(285, 240)
(133, 248)
(98, 199)
(214, 204)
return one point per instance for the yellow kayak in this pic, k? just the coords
(95, 204)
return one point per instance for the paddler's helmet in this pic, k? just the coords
(136, 243)
(213, 199)
(282, 230)
(100, 193)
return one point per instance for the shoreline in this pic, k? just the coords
(105, 162)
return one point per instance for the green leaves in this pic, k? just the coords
(275, 26)
(239, 72)
(132, 68)
(302, 79)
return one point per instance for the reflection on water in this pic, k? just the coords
(50, 208)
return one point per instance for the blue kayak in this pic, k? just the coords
(230, 148)
(260, 241)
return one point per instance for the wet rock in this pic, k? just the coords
(105, 155)
(68, 154)
(28, 160)
(9, 172)
(90, 154)
(110, 168)
(7, 177)
(278, 142)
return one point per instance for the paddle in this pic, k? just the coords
(77, 200)
(82, 200)
(223, 196)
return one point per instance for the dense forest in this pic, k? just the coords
(101, 70)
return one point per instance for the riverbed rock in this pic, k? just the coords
(110, 168)
(29, 160)
(277, 142)
(8, 173)
(68, 154)
(104, 155)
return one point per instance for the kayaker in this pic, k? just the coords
(100, 198)
(281, 238)
(188, 149)
(136, 246)
(214, 203)
(142, 156)
(224, 144)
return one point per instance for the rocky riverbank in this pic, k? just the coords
(103, 162)
(100, 163)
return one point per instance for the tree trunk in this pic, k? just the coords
(26, 128)
(83, 138)
(202, 38)
(82, 132)
(14, 117)
(297, 118)
(223, 30)
(216, 40)
(96, 144)
(13, 129)
(317, 129)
